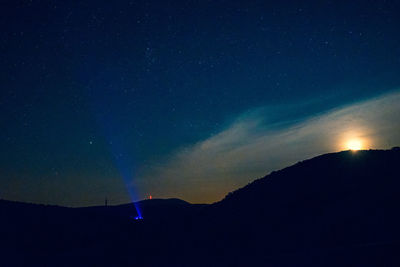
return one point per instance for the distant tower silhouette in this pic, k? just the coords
(105, 202)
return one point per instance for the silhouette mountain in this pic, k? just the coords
(332, 210)
(339, 202)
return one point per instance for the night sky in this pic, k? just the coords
(187, 99)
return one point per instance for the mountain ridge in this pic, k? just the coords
(333, 208)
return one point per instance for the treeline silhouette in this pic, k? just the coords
(333, 210)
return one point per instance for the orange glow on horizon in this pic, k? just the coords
(354, 140)
(354, 144)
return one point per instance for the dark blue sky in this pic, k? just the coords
(93, 91)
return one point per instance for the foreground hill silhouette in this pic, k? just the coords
(338, 209)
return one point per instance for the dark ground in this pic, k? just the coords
(339, 209)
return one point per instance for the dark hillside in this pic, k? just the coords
(333, 210)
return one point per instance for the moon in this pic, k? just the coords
(354, 144)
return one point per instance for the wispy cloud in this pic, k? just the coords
(260, 141)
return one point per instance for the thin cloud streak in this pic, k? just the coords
(256, 144)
